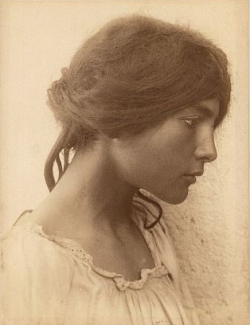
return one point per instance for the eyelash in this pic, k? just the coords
(192, 122)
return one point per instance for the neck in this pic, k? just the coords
(92, 192)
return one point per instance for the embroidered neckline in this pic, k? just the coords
(121, 283)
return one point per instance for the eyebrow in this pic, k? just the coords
(205, 110)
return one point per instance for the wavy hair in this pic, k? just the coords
(128, 77)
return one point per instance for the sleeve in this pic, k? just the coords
(36, 277)
(168, 257)
(188, 302)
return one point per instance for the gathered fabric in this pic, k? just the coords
(49, 280)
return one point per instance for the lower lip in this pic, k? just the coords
(191, 179)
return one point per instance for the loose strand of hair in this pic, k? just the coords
(59, 166)
(54, 157)
(66, 158)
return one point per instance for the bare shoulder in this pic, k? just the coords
(44, 216)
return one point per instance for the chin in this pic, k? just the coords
(173, 199)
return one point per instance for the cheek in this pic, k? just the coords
(159, 160)
(144, 169)
(161, 163)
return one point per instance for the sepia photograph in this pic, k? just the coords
(124, 166)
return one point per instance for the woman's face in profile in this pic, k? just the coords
(164, 159)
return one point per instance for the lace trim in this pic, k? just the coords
(158, 271)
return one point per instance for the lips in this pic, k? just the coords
(198, 173)
(190, 178)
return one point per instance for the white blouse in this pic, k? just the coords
(48, 280)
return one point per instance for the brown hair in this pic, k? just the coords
(128, 77)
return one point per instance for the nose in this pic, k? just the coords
(206, 149)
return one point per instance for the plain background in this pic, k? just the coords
(210, 230)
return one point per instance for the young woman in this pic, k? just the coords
(138, 107)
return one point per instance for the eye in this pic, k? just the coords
(191, 122)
